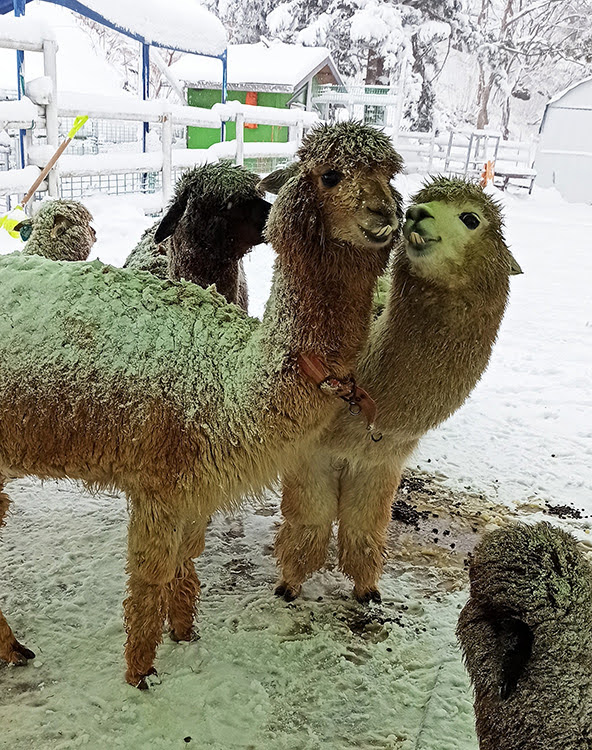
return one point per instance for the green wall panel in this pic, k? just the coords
(205, 137)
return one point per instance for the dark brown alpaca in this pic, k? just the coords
(526, 635)
(215, 218)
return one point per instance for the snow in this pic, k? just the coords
(23, 111)
(18, 180)
(127, 107)
(266, 115)
(80, 63)
(322, 672)
(182, 24)
(26, 31)
(258, 65)
(40, 90)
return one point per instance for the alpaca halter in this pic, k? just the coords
(359, 400)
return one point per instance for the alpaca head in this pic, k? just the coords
(454, 232)
(59, 230)
(217, 208)
(529, 572)
(338, 191)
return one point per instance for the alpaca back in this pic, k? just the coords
(107, 353)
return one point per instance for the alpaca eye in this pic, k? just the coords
(471, 221)
(25, 231)
(331, 178)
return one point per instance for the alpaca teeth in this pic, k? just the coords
(384, 231)
(416, 239)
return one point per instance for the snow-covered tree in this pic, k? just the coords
(515, 41)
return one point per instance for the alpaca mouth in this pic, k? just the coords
(381, 236)
(420, 243)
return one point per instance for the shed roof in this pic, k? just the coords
(182, 25)
(556, 101)
(282, 67)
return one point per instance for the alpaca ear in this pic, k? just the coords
(276, 180)
(169, 221)
(514, 266)
(515, 642)
(60, 225)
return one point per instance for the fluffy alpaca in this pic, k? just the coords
(425, 353)
(59, 230)
(216, 216)
(166, 392)
(526, 634)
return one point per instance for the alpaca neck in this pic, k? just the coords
(430, 347)
(323, 309)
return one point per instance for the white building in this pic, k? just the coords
(564, 157)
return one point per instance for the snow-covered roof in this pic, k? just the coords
(285, 67)
(586, 105)
(182, 25)
(568, 90)
(79, 60)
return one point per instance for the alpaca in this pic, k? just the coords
(216, 216)
(526, 634)
(164, 391)
(59, 230)
(425, 353)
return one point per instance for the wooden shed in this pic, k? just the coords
(268, 74)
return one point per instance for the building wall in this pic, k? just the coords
(205, 137)
(564, 157)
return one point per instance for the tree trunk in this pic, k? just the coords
(483, 95)
(374, 68)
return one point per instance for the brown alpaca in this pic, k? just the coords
(425, 353)
(164, 391)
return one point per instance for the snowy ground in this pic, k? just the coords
(322, 672)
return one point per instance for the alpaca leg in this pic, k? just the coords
(10, 649)
(153, 549)
(309, 507)
(183, 591)
(364, 514)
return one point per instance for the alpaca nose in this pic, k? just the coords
(418, 213)
(381, 210)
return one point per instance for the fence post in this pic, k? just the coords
(167, 157)
(51, 111)
(240, 139)
(432, 146)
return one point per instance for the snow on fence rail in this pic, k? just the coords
(465, 153)
(168, 159)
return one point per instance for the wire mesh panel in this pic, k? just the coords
(111, 184)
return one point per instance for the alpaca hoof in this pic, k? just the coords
(371, 595)
(287, 592)
(189, 635)
(141, 682)
(19, 655)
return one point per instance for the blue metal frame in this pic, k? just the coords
(19, 10)
(145, 88)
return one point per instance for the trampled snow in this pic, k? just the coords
(323, 672)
